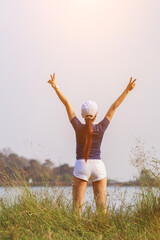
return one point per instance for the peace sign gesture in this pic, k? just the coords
(52, 81)
(131, 84)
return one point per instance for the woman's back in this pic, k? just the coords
(98, 131)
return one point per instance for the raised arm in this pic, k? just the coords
(113, 107)
(63, 99)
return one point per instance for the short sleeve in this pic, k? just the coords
(76, 123)
(103, 124)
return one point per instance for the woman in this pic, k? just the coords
(89, 137)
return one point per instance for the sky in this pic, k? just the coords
(94, 47)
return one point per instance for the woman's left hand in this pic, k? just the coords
(52, 81)
(131, 84)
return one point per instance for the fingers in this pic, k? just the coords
(134, 80)
(52, 77)
(52, 80)
(133, 83)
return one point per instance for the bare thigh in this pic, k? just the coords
(99, 188)
(78, 192)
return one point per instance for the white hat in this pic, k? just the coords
(89, 108)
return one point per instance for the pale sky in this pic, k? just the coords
(94, 47)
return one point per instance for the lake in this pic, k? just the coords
(115, 195)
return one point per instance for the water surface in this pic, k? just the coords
(115, 195)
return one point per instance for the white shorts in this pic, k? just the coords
(93, 168)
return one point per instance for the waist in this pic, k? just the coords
(92, 154)
(89, 159)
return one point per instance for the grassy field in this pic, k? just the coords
(41, 216)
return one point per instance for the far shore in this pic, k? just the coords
(68, 184)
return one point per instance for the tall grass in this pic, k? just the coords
(46, 216)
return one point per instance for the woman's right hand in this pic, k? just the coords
(52, 81)
(131, 84)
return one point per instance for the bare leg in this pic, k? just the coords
(99, 188)
(78, 192)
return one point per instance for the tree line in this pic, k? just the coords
(17, 170)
